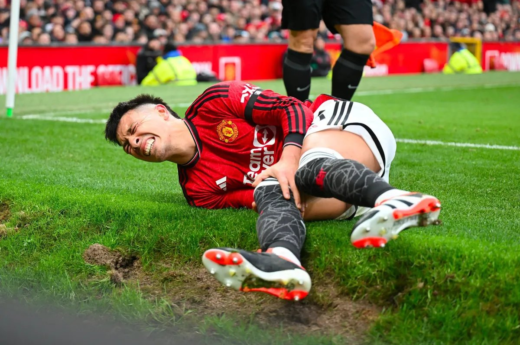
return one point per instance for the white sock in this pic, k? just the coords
(287, 254)
(390, 194)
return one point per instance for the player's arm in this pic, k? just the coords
(266, 107)
(284, 171)
(258, 107)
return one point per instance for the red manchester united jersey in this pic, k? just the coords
(239, 130)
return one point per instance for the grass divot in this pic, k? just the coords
(5, 212)
(123, 267)
(193, 294)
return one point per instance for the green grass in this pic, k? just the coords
(458, 283)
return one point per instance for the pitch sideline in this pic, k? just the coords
(80, 110)
(399, 140)
(445, 143)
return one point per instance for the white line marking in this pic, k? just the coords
(443, 143)
(78, 111)
(431, 89)
(61, 119)
(428, 89)
(405, 141)
(73, 112)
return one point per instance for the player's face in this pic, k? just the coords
(144, 133)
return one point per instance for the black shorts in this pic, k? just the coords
(300, 15)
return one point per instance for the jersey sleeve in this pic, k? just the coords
(266, 107)
(256, 106)
(232, 199)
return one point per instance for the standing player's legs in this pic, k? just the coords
(352, 19)
(302, 18)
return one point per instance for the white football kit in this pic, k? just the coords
(359, 119)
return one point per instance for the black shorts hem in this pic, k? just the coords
(302, 15)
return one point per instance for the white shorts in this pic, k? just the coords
(359, 119)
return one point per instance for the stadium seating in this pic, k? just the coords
(210, 21)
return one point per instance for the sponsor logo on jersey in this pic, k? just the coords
(264, 135)
(227, 131)
(262, 155)
(248, 91)
(222, 183)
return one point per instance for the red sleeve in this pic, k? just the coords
(266, 107)
(258, 107)
(233, 199)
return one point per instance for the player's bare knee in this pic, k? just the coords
(359, 46)
(302, 41)
(358, 39)
(365, 48)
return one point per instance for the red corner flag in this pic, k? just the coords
(385, 39)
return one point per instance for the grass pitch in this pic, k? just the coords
(63, 188)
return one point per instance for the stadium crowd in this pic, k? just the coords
(208, 21)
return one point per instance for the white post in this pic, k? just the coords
(13, 52)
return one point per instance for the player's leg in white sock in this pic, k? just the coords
(286, 254)
(390, 194)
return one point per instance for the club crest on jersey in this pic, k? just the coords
(227, 131)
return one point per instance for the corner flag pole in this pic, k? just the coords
(13, 52)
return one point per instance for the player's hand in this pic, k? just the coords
(302, 209)
(284, 171)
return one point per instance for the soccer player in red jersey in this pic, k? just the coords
(231, 133)
(238, 144)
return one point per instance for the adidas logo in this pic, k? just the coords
(221, 183)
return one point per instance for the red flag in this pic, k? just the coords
(385, 39)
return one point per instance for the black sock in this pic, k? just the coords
(347, 73)
(343, 179)
(297, 74)
(280, 223)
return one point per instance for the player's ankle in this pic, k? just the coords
(286, 254)
(389, 194)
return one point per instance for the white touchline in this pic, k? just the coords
(427, 89)
(399, 140)
(61, 119)
(443, 143)
(431, 89)
(78, 111)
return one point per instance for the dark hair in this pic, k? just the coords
(123, 107)
(169, 46)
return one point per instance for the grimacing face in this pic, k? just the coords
(143, 132)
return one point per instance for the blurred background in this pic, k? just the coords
(119, 42)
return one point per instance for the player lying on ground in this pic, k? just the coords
(234, 134)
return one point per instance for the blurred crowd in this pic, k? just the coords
(427, 20)
(241, 21)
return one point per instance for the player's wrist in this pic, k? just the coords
(291, 153)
